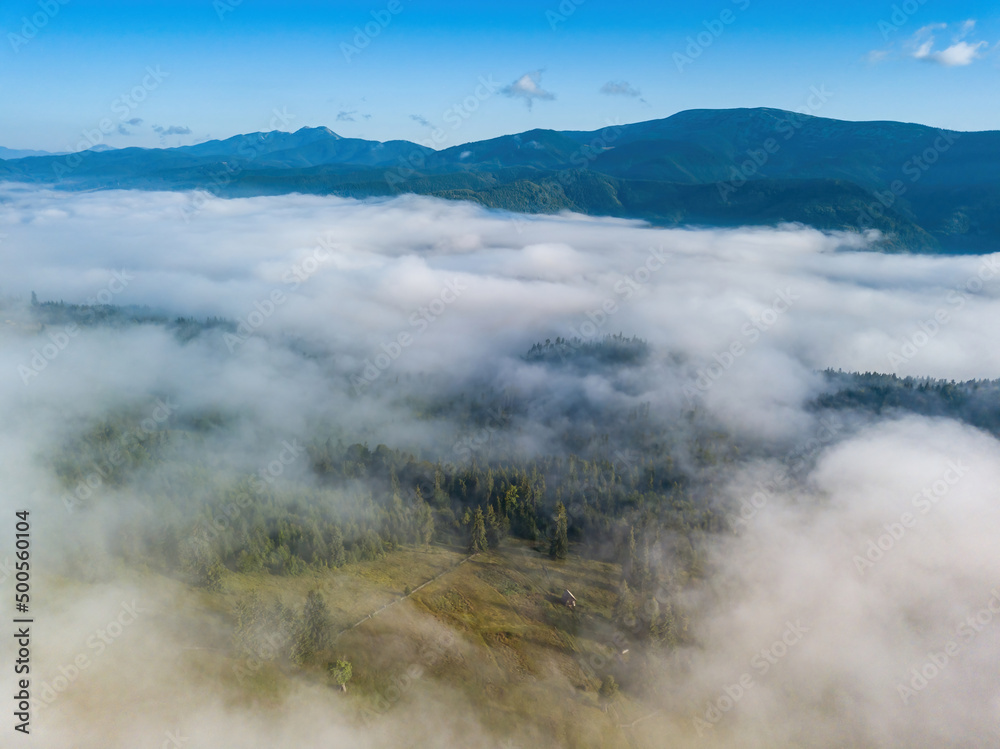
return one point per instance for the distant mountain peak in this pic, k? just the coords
(21, 153)
(317, 130)
(756, 165)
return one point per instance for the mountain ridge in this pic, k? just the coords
(927, 189)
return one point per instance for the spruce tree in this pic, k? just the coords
(497, 526)
(477, 539)
(315, 628)
(624, 611)
(630, 561)
(559, 542)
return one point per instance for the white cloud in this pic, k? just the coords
(957, 54)
(528, 87)
(620, 88)
(923, 46)
(930, 28)
(961, 53)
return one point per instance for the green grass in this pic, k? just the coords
(518, 648)
(490, 631)
(489, 634)
(353, 591)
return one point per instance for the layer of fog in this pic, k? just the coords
(862, 610)
(354, 276)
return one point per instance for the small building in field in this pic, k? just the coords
(568, 599)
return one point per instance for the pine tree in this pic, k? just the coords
(211, 577)
(624, 611)
(336, 546)
(424, 523)
(663, 628)
(249, 612)
(314, 628)
(559, 542)
(497, 527)
(477, 538)
(630, 561)
(643, 572)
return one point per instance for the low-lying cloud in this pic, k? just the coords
(838, 585)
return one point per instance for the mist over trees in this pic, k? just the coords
(686, 466)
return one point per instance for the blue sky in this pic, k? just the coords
(444, 73)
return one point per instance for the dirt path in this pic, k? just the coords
(403, 597)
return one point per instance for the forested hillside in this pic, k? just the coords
(925, 189)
